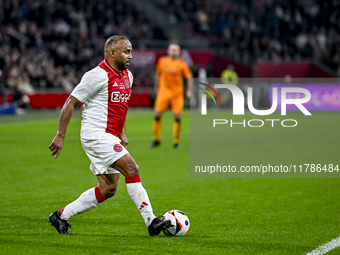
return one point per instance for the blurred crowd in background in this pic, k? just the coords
(50, 44)
(255, 30)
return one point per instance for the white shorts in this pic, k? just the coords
(103, 149)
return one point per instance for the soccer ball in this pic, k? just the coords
(180, 223)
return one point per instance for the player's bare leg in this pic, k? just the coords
(177, 130)
(107, 186)
(156, 127)
(128, 167)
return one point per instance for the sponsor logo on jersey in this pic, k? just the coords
(115, 84)
(116, 97)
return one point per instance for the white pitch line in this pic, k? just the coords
(323, 249)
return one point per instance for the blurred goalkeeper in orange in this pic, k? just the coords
(170, 74)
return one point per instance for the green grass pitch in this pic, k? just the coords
(228, 216)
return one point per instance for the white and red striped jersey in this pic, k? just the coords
(105, 93)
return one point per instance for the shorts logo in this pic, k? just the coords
(127, 83)
(117, 147)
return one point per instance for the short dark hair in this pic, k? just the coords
(114, 39)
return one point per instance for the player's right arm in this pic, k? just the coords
(156, 80)
(90, 84)
(159, 70)
(65, 117)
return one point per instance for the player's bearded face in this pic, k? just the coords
(123, 54)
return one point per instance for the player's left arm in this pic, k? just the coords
(123, 138)
(189, 84)
(187, 73)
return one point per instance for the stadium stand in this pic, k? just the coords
(48, 45)
(249, 31)
(52, 43)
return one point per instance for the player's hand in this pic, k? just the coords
(123, 139)
(56, 145)
(187, 94)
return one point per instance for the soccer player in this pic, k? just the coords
(169, 76)
(105, 92)
(229, 76)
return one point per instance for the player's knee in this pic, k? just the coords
(107, 190)
(127, 166)
(177, 119)
(111, 191)
(158, 115)
(132, 169)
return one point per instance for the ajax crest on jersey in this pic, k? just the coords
(180, 223)
(127, 83)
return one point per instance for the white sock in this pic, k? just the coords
(88, 200)
(140, 198)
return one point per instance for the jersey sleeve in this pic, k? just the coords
(186, 70)
(90, 83)
(159, 66)
(130, 78)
